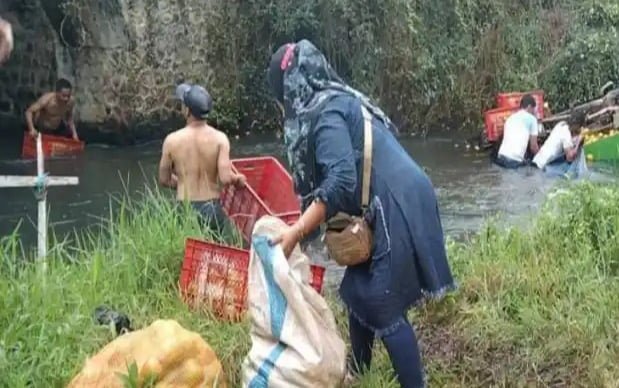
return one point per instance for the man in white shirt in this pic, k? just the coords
(564, 141)
(520, 134)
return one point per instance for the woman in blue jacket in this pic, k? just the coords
(323, 129)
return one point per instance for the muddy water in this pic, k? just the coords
(469, 187)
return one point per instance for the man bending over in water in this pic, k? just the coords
(563, 143)
(52, 113)
(196, 159)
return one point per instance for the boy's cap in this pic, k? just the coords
(196, 99)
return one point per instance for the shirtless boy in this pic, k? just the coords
(52, 113)
(196, 159)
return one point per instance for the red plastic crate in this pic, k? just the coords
(512, 100)
(495, 121)
(53, 146)
(214, 276)
(269, 191)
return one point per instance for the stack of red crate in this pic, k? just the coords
(508, 104)
(215, 276)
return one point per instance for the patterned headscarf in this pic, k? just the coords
(309, 82)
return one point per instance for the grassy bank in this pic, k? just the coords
(536, 307)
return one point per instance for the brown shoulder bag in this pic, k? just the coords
(349, 238)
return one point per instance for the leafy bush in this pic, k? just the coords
(430, 64)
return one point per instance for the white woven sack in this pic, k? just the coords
(295, 342)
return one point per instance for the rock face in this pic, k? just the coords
(123, 56)
(33, 65)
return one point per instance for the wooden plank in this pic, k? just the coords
(30, 181)
(555, 118)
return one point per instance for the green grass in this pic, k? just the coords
(536, 307)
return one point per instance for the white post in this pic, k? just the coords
(42, 201)
(40, 184)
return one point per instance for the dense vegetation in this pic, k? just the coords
(536, 307)
(432, 64)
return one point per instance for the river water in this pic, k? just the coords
(469, 187)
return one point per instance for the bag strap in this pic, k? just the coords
(367, 157)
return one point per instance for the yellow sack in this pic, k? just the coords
(178, 357)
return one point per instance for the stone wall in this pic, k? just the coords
(133, 54)
(123, 56)
(34, 64)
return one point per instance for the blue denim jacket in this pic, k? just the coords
(409, 260)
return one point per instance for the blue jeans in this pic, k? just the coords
(574, 169)
(508, 163)
(212, 215)
(402, 348)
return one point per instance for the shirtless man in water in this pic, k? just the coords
(53, 112)
(196, 159)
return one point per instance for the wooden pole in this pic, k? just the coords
(42, 201)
